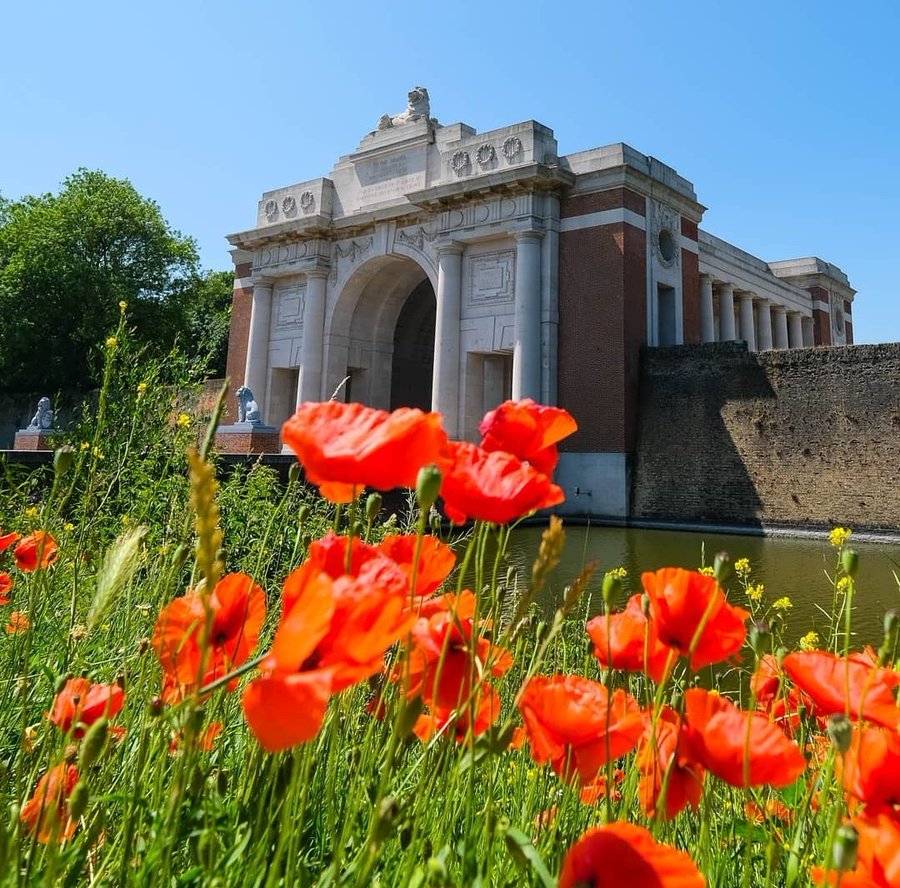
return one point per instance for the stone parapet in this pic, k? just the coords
(32, 439)
(244, 437)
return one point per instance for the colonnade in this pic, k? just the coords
(760, 321)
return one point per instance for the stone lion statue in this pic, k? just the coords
(418, 107)
(43, 418)
(248, 409)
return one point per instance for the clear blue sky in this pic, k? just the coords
(784, 115)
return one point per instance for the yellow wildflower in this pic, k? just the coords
(810, 641)
(755, 593)
(844, 585)
(97, 453)
(141, 387)
(707, 571)
(123, 304)
(85, 445)
(617, 573)
(31, 512)
(68, 527)
(183, 420)
(783, 603)
(742, 567)
(112, 342)
(839, 536)
(126, 520)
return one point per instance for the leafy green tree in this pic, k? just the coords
(67, 260)
(204, 318)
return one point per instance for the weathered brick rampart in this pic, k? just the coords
(806, 437)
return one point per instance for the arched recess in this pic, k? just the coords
(385, 303)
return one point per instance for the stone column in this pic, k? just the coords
(526, 370)
(748, 334)
(796, 333)
(707, 319)
(764, 323)
(445, 377)
(726, 314)
(309, 386)
(256, 370)
(781, 327)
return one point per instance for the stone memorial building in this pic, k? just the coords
(447, 269)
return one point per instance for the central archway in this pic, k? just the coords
(381, 335)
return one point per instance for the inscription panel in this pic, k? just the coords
(289, 311)
(492, 278)
(383, 178)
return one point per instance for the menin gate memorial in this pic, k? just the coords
(446, 269)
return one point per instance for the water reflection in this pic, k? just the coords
(795, 567)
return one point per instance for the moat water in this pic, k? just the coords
(796, 567)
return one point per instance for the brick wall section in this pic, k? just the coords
(241, 304)
(602, 325)
(821, 319)
(848, 332)
(689, 229)
(612, 199)
(690, 294)
(803, 437)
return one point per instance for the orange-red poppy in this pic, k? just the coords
(206, 739)
(81, 702)
(775, 697)
(593, 792)
(741, 748)
(46, 813)
(6, 583)
(573, 723)
(496, 487)
(628, 640)
(237, 607)
(879, 848)
(346, 447)
(7, 539)
(527, 430)
(38, 549)
(665, 764)
(856, 879)
(18, 622)
(476, 717)
(692, 615)
(871, 767)
(851, 685)
(625, 854)
(436, 560)
(332, 634)
(462, 605)
(773, 808)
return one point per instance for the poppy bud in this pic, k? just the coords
(411, 712)
(78, 800)
(846, 843)
(61, 683)
(645, 604)
(759, 636)
(428, 486)
(849, 561)
(721, 564)
(156, 707)
(841, 732)
(180, 555)
(293, 473)
(385, 819)
(93, 743)
(222, 781)
(303, 513)
(373, 506)
(434, 520)
(612, 586)
(62, 459)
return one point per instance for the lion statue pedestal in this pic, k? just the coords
(36, 436)
(249, 434)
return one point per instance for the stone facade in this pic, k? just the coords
(449, 269)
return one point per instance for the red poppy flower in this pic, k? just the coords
(774, 697)
(872, 766)
(592, 792)
(345, 447)
(572, 723)
(628, 640)
(741, 748)
(624, 854)
(879, 848)
(495, 487)
(333, 633)
(462, 606)
(436, 560)
(850, 685)
(18, 622)
(527, 430)
(7, 539)
(81, 702)
(46, 813)
(691, 614)
(466, 721)
(238, 608)
(661, 752)
(206, 739)
(6, 583)
(820, 876)
(36, 550)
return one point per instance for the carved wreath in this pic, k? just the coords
(271, 209)
(668, 221)
(512, 148)
(289, 206)
(485, 154)
(307, 201)
(460, 162)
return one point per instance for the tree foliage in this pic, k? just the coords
(68, 259)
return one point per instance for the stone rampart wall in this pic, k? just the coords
(803, 437)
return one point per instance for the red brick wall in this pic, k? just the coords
(821, 319)
(613, 199)
(690, 294)
(689, 229)
(602, 324)
(241, 304)
(848, 332)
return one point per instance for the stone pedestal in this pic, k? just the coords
(32, 439)
(247, 437)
